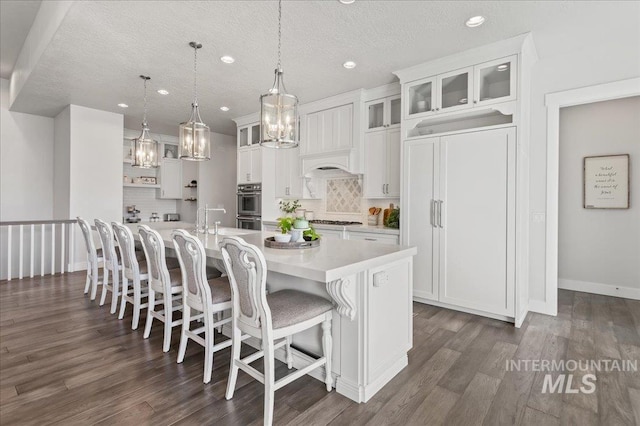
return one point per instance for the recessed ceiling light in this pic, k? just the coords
(224, 108)
(349, 65)
(123, 105)
(503, 67)
(227, 59)
(475, 21)
(346, 1)
(163, 92)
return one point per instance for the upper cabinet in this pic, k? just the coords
(249, 166)
(495, 81)
(287, 173)
(328, 130)
(383, 113)
(171, 178)
(487, 83)
(249, 135)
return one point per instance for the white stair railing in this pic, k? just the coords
(62, 239)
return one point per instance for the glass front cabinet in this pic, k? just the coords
(249, 135)
(383, 113)
(495, 81)
(487, 83)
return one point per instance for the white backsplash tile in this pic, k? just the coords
(145, 200)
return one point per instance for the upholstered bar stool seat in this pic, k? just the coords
(220, 290)
(290, 307)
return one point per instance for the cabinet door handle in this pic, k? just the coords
(440, 214)
(432, 213)
(383, 188)
(371, 239)
(475, 102)
(437, 109)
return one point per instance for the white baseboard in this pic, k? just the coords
(463, 309)
(599, 288)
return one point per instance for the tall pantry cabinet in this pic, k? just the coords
(464, 185)
(462, 202)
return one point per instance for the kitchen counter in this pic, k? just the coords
(371, 287)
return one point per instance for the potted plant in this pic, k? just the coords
(289, 207)
(284, 224)
(310, 234)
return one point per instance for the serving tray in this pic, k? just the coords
(272, 243)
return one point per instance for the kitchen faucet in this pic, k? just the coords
(206, 210)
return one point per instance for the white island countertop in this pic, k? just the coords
(330, 261)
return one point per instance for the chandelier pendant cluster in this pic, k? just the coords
(195, 137)
(278, 109)
(144, 148)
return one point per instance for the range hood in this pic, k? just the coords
(332, 161)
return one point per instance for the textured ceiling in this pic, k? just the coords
(102, 46)
(16, 18)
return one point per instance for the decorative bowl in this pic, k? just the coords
(282, 238)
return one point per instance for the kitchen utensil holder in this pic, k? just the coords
(372, 220)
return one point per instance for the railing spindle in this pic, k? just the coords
(42, 250)
(33, 227)
(72, 248)
(53, 248)
(63, 235)
(20, 252)
(9, 253)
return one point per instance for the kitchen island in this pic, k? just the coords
(371, 287)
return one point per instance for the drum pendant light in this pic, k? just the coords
(144, 148)
(278, 109)
(195, 139)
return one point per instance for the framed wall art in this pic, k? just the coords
(606, 182)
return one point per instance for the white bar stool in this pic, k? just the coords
(111, 264)
(94, 258)
(274, 318)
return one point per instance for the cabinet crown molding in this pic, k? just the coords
(511, 46)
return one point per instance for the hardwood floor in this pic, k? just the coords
(64, 360)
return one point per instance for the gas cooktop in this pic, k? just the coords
(334, 222)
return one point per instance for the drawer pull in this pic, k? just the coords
(371, 239)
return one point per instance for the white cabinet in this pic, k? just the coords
(382, 163)
(374, 237)
(460, 212)
(495, 81)
(383, 113)
(249, 135)
(249, 165)
(287, 173)
(171, 178)
(333, 234)
(328, 131)
(482, 84)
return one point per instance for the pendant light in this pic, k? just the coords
(145, 149)
(194, 134)
(278, 109)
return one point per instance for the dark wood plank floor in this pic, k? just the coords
(64, 360)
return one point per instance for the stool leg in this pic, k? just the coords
(136, 305)
(115, 292)
(94, 281)
(269, 381)
(289, 354)
(186, 320)
(88, 283)
(168, 321)
(150, 308)
(208, 348)
(236, 343)
(105, 281)
(327, 344)
(125, 292)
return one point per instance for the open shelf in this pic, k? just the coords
(140, 185)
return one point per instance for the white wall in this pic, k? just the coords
(61, 161)
(26, 177)
(26, 169)
(598, 246)
(217, 178)
(607, 57)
